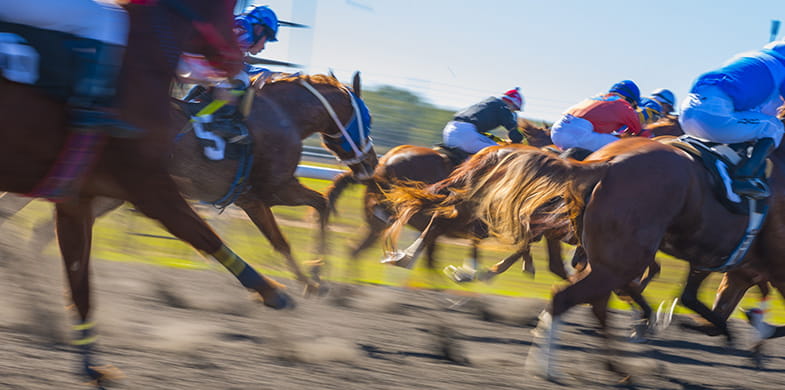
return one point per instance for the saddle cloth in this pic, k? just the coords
(719, 160)
(39, 57)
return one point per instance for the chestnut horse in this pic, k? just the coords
(410, 163)
(646, 196)
(274, 125)
(34, 132)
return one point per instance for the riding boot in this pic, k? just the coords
(98, 68)
(748, 179)
(229, 123)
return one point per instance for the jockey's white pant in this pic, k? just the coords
(573, 132)
(464, 136)
(708, 114)
(102, 21)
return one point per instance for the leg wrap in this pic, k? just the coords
(238, 267)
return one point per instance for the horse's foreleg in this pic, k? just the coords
(689, 298)
(157, 197)
(74, 223)
(263, 218)
(505, 264)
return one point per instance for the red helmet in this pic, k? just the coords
(515, 98)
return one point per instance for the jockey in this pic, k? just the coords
(596, 122)
(99, 55)
(666, 98)
(254, 29)
(469, 128)
(738, 103)
(649, 111)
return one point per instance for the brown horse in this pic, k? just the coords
(417, 164)
(646, 196)
(128, 169)
(274, 125)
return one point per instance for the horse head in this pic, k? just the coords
(350, 139)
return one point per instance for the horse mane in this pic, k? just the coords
(667, 125)
(531, 185)
(535, 135)
(315, 79)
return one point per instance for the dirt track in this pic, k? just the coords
(180, 329)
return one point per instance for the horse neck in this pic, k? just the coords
(293, 103)
(155, 42)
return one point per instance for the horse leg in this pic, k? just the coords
(689, 298)
(155, 194)
(555, 261)
(592, 286)
(407, 258)
(74, 223)
(296, 194)
(372, 235)
(263, 218)
(579, 259)
(44, 232)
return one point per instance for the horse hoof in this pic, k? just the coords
(461, 274)
(103, 374)
(400, 259)
(280, 301)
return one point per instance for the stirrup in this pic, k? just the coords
(754, 188)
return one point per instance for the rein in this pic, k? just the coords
(362, 150)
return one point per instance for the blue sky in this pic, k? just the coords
(455, 53)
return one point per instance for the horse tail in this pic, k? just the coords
(334, 191)
(409, 198)
(532, 187)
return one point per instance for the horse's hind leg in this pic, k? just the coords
(689, 298)
(555, 260)
(263, 218)
(156, 196)
(296, 194)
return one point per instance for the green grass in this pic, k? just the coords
(117, 239)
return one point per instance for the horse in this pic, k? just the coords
(130, 169)
(623, 216)
(418, 164)
(276, 125)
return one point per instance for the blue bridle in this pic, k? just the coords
(356, 134)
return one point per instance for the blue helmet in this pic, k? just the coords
(663, 95)
(651, 104)
(264, 16)
(628, 89)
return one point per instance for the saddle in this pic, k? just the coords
(215, 146)
(39, 57)
(720, 160)
(455, 155)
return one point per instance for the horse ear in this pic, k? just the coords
(356, 83)
(332, 74)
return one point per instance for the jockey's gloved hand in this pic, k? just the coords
(515, 136)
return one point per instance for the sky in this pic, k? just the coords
(454, 53)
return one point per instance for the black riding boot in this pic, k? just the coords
(98, 67)
(229, 123)
(748, 179)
